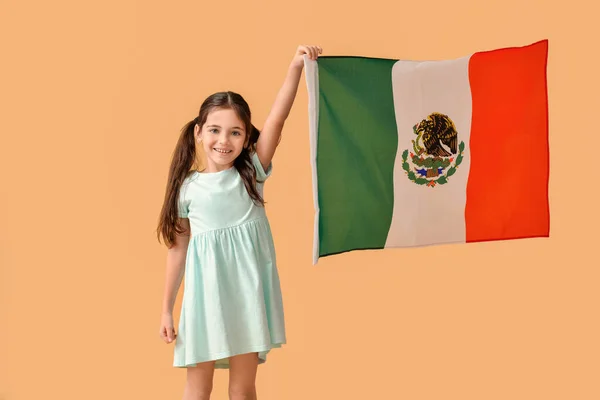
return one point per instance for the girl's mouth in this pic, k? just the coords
(222, 151)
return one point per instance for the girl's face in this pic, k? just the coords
(222, 137)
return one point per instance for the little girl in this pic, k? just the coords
(215, 226)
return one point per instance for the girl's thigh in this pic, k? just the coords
(200, 377)
(242, 372)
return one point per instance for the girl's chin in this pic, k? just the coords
(224, 162)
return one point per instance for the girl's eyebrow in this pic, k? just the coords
(217, 126)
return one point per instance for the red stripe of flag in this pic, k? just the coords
(507, 190)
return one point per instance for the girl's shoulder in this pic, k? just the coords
(261, 173)
(191, 174)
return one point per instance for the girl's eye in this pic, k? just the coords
(235, 133)
(213, 130)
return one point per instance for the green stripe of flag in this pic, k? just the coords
(357, 144)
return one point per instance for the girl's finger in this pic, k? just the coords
(317, 51)
(307, 51)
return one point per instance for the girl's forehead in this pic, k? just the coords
(225, 118)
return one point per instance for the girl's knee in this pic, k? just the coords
(197, 390)
(196, 393)
(247, 392)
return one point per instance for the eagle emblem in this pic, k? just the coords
(437, 153)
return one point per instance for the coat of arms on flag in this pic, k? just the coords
(414, 153)
(439, 143)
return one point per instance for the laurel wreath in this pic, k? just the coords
(440, 180)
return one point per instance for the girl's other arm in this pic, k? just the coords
(174, 275)
(271, 132)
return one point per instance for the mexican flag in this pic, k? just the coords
(417, 153)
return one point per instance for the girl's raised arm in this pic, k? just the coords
(271, 132)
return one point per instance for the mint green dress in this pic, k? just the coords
(232, 302)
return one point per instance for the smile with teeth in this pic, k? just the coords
(222, 151)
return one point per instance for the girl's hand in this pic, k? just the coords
(167, 332)
(312, 52)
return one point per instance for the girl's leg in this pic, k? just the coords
(199, 381)
(242, 376)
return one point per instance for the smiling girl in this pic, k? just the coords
(214, 223)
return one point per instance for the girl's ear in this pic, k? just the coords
(197, 132)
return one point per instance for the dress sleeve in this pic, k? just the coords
(261, 174)
(183, 203)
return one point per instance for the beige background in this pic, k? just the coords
(93, 96)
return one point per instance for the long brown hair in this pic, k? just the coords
(184, 157)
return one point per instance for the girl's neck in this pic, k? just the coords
(213, 169)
